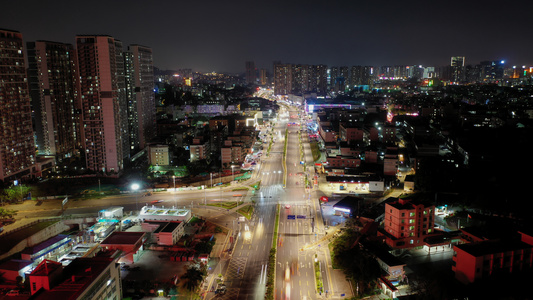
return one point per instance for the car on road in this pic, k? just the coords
(156, 201)
(13, 293)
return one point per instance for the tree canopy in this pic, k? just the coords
(357, 263)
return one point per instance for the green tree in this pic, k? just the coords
(197, 167)
(194, 276)
(205, 247)
(7, 213)
(356, 262)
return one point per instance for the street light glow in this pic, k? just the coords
(135, 186)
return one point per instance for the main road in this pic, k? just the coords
(300, 224)
(246, 266)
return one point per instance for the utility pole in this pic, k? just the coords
(175, 200)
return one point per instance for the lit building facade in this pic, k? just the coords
(17, 145)
(122, 101)
(282, 79)
(158, 155)
(100, 103)
(408, 222)
(479, 260)
(53, 78)
(144, 92)
(200, 150)
(84, 278)
(361, 75)
(131, 98)
(263, 78)
(250, 72)
(300, 79)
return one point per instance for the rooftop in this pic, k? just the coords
(48, 243)
(15, 264)
(169, 227)
(348, 202)
(408, 203)
(46, 267)
(490, 247)
(164, 211)
(76, 278)
(123, 238)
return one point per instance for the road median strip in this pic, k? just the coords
(271, 272)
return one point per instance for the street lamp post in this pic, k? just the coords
(205, 195)
(15, 183)
(232, 173)
(211, 174)
(174, 182)
(135, 188)
(175, 200)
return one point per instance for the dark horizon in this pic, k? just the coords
(221, 36)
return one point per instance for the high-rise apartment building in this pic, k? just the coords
(300, 79)
(457, 61)
(263, 77)
(492, 70)
(129, 80)
(321, 75)
(283, 79)
(144, 107)
(250, 72)
(339, 78)
(100, 102)
(17, 145)
(458, 68)
(360, 75)
(122, 100)
(53, 81)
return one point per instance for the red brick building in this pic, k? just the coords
(408, 223)
(352, 132)
(128, 242)
(344, 161)
(478, 260)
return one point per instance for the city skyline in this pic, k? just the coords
(214, 36)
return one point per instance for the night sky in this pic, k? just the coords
(221, 35)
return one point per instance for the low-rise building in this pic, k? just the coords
(49, 249)
(344, 161)
(472, 262)
(13, 268)
(200, 150)
(161, 214)
(84, 278)
(129, 243)
(408, 222)
(158, 155)
(169, 233)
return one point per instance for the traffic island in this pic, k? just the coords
(247, 211)
(318, 278)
